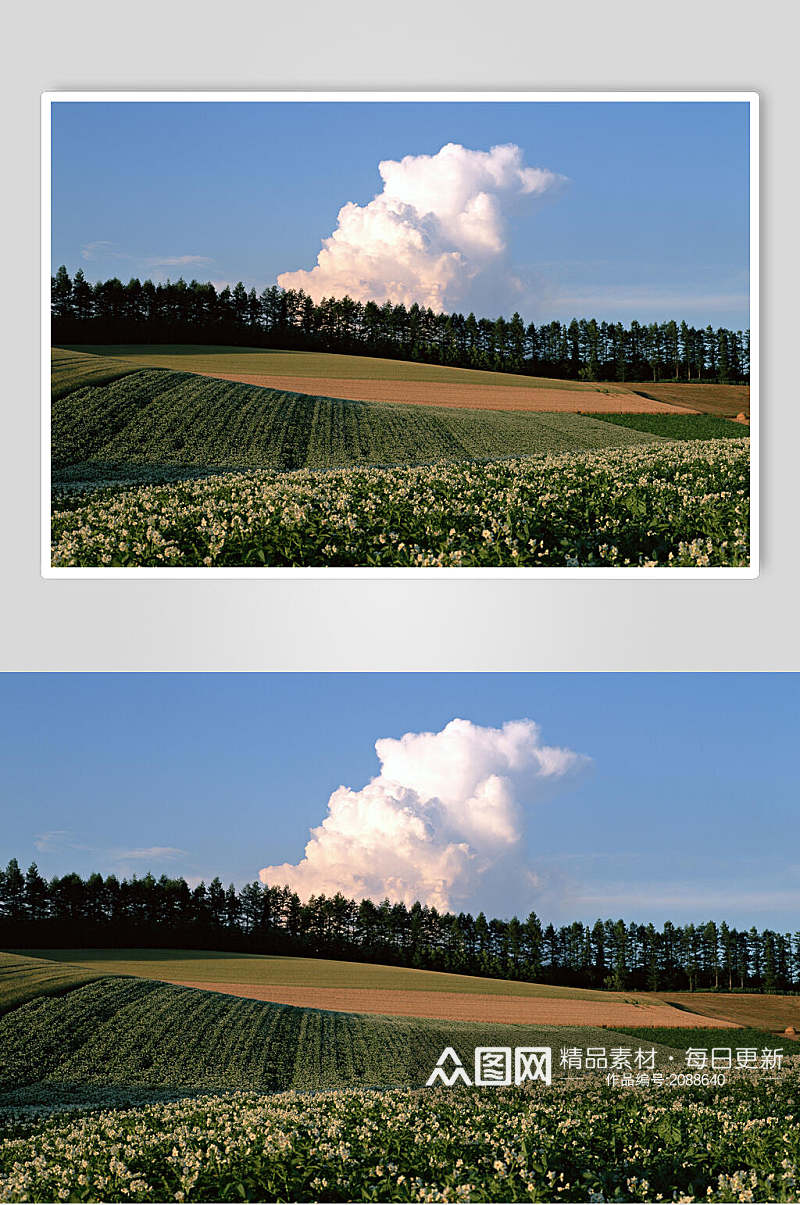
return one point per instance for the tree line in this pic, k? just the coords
(109, 311)
(70, 911)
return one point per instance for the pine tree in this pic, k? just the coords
(61, 294)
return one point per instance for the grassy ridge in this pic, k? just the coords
(316, 364)
(126, 1033)
(158, 417)
(278, 971)
(23, 979)
(73, 369)
(680, 426)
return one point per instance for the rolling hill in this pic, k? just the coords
(23, 978)
(369, 988)
(372, 379)
(317, 365)
(139, 1038)
(162, 422)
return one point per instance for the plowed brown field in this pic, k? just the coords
(473, 397)
(453, 1006)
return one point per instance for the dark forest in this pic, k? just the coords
(110, 312)
(70, 912)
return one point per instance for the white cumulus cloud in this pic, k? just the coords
(438, 224)
(446, 810)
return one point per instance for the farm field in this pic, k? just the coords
(769, 1012)
(686, 1036)
(371, 379)
(668, 504)
(724, 400)
(156, 417)
(568, 1142)
(312, 365)
(154, 1092)
(458, 1006)
(160, 467)
(23, 978)
(223, 968)
(527, 398)
(681, 426)
(373, 988)
(71, 369)
(145, 1037)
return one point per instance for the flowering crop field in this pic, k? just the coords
(569, 1142)
(133, 1090)
(666, 504)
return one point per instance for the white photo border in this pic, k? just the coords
(749, 97)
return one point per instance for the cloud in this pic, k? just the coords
(56, 839)
(446, 811)
(97, 249)
(438, 224)
(172, 261)
(59, 840)
(102, 249)
(641, 297)
(154, 853)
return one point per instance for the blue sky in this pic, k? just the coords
(651, 223)
(687, 809)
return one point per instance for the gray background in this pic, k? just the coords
(419, 625)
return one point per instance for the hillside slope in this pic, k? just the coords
(218, 966)
(315, 365)
(138, 1037)
(73, 369)
(23, 978)
(157, 419)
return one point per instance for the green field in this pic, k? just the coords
(586, 1143)
(72, 369)
(23, 978)
(316, 364)
(680, 426)
(705, 1039)
(128, 1089)
(165, 468)
(667, 504)
(219, 967)
(155, 419)
(129, 1035)
(699, 1144)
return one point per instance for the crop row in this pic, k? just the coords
(74, 370)
(670, 504)
(160, 418)
(122, 1034)
(23, 979)
(583, 1142)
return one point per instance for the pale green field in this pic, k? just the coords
(23, 979)
(71, 369)
(190, 358)
(276, 971)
